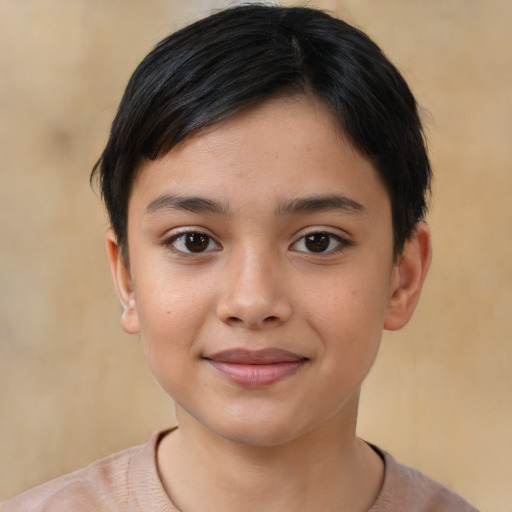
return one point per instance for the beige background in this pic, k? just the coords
(73, 387)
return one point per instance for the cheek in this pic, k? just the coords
(167, 298)
(356, 301)
(348, 315)
(171, 317)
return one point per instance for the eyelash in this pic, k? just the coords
(342, 243)
(207, 241)
(174, 239)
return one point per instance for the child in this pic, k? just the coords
(266, 181)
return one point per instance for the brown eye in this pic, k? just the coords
(196, 242)
(193, 243)
(320, 242)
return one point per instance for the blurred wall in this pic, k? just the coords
(73, 387)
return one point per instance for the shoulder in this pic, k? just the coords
(103, 485)
(405, 488)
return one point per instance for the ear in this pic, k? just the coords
(123, 284)
(409, 274)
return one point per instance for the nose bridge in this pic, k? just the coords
(254, 294)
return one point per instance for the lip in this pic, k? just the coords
(256, 368)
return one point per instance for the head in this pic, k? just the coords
(265, 178)
(211, 70)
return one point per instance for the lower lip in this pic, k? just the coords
(257, 375)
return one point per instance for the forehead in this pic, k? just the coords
(281, 149)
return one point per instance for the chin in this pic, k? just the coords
(263, 431)
(266, 436)
(244, 428)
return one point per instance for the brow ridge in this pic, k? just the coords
(299, 205)
(314, 204)
(192, 204)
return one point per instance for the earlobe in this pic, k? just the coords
(123, 284)
(410, 272)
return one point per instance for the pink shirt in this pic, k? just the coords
(128, 482)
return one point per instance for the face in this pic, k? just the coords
(261, 273)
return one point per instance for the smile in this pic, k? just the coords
(256, 368)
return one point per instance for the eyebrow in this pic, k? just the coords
(189, 203)
(300, 205)
(316, 204)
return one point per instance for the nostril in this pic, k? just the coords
(234, 320)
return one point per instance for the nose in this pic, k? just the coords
(253, 292)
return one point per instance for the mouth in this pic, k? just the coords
(256, 368)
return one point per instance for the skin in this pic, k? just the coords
(256, 283)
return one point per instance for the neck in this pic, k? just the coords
(327, 469)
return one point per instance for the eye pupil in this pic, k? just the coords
(196, 242)
(318, 242)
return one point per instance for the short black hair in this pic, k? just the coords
(236, 58)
